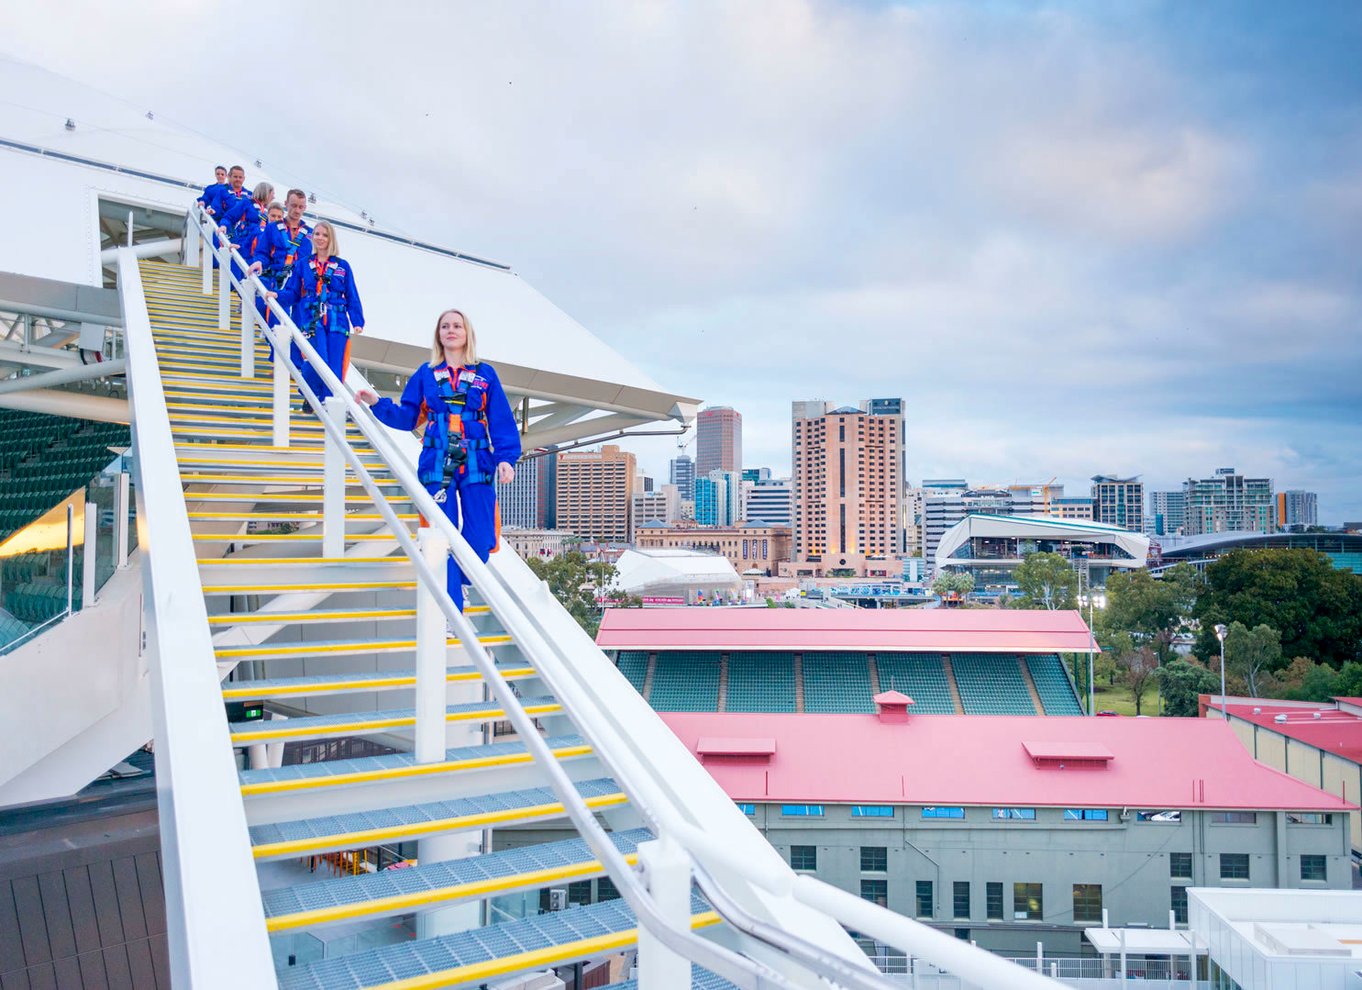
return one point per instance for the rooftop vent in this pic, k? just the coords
(892, 706)
(732, 749)
(1052, 755)
(1279, 718)
(70, 124)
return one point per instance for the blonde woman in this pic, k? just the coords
(470, 440)
(322, 297)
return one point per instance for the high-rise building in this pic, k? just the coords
(1118, 502)
(847, 493)
(1036, 500)
(945, 506)
(1297, 508)
(662, 506)
(718, 440)
(1229, 502)
(1072, 507)
(549, 471)
(755, 475)
(768, 501)
(522, 503)
(1166, 513)
(682, 475)
(718, 499)
(595, 493)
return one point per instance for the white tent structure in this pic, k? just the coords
(676, 573)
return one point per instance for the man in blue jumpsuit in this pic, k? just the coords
(284, 245)
(210, 194)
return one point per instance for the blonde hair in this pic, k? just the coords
(264, 192)
(332, 248)
(470, 346)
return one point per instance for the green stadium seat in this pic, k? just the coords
(760, 682)
(1056, 691)
(837, 682)
(991, 684)
(921, 676)
(685, 681)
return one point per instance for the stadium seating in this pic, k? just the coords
(1053, 685)
(633, 664)
(991, 684)
(685, 681)
(761, 682)
(837, 682)
(921, 676)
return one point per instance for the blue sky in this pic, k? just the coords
(1078, 238)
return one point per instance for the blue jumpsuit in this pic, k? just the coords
(211, 194)
(278, 253)
(485, 427)
(324, 302)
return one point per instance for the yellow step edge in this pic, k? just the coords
(482, 714)
(403, 903)
(310, 561)
(280, 497)
(287, 537)
(267, 516)
(279, 481)
(412, 770)
(459, 823)
(306, 649)
(369, 684)
(291, 618)
(279, 589)
(483, 972)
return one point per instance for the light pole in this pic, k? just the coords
(1221, 630)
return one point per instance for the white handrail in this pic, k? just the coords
(900, 932)
(214, 918)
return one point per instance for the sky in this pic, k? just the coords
(1077, 238)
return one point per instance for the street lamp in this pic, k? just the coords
(1221, 630)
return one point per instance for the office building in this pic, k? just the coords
(1073, 507)
(681, 473)
(662, 506)
(755, 475)
(523, 502)
(944, 505)
(847, 492)
(718, 440)
(1228, 502)
(1166, 513)
(1118, 502)
(595, 493)
(768, 501)
(718, 499)
(1296, 508)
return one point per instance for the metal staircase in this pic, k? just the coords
(287, 569)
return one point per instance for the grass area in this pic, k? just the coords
(1119, 699)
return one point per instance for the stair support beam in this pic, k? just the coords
(248, 329)
(206, 263)
(431, 651)
(333, 483)
(225, 297)
(666, 870)
(87, 577)
(280, 411)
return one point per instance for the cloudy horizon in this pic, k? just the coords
(1077, 239)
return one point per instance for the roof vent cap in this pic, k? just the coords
(1257, 710)
(1317, 715)
(892, 706)
(1279, 718)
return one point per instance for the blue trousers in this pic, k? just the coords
(334, 349)
(473, 509)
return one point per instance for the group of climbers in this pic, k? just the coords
(469, 436)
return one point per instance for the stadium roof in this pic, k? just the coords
(1174, 547)
(987, 524)
(1320, 725)
(989, 760)
(937, 630)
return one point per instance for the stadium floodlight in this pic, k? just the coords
(1221, 631)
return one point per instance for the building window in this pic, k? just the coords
(1087, 902)
(1027, 902)
(803, 857)
(876, 891)
(1234, 866)
(747, 808)
(579, 892)
(943, 812)
(1180, 866)
(1158, 816)
(874, 859)
(1014, 814)
(1234, 817)
(1309, 818)
(1085, 814)
(960, 899)
(1314, 867)
(872, 811)
(606, 890)
(924, 899)
(993, 897)
(802, 810)
(1179, 905)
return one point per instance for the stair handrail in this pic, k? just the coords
(968, 962)
(215, 921)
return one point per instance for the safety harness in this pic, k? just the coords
(451, 431)
(320, 308)
(294, 239)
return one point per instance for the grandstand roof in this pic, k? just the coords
(936, 630)
(1320, 725)
(1040, 527)
(989, 760)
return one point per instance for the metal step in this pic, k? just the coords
(207, 476)
(700, 979)
(276, 575)
(232, 619)
(316, 685)
(309, 836)
(379, 895)
(337, 648)
(300, 516)
(372, 723)
(484, 955)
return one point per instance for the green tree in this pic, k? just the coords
(1140, 669)
(1181, 682)
(1316, 607)
(1148, 610)
(579, 583)
(949, 583)
(1046, 580)
(1251, 653)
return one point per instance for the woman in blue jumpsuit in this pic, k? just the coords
(324, 302)
(470, 442)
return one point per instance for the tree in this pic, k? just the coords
(1046, 580)
(1140, 667)
(578, 583)
(1150, 611)
(1181, 682)
(1302, 680)
(1316, 607)
(1251, 653)
(950, 584)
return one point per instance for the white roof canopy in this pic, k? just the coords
(1039, 527)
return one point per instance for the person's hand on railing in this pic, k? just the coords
(505, 473)
(367, 395)
(356, 329)
(255, 268)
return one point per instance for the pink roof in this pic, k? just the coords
(1167, 763)
(930, 630)
(1334, 731)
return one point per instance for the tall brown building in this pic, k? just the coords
(718, 440)
(847, 498)
(596, 492)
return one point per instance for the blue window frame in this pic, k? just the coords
(872, 811)
(940, 811)
(1085, 814)
(802, 810)
(1014, 814)
(747, 809)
